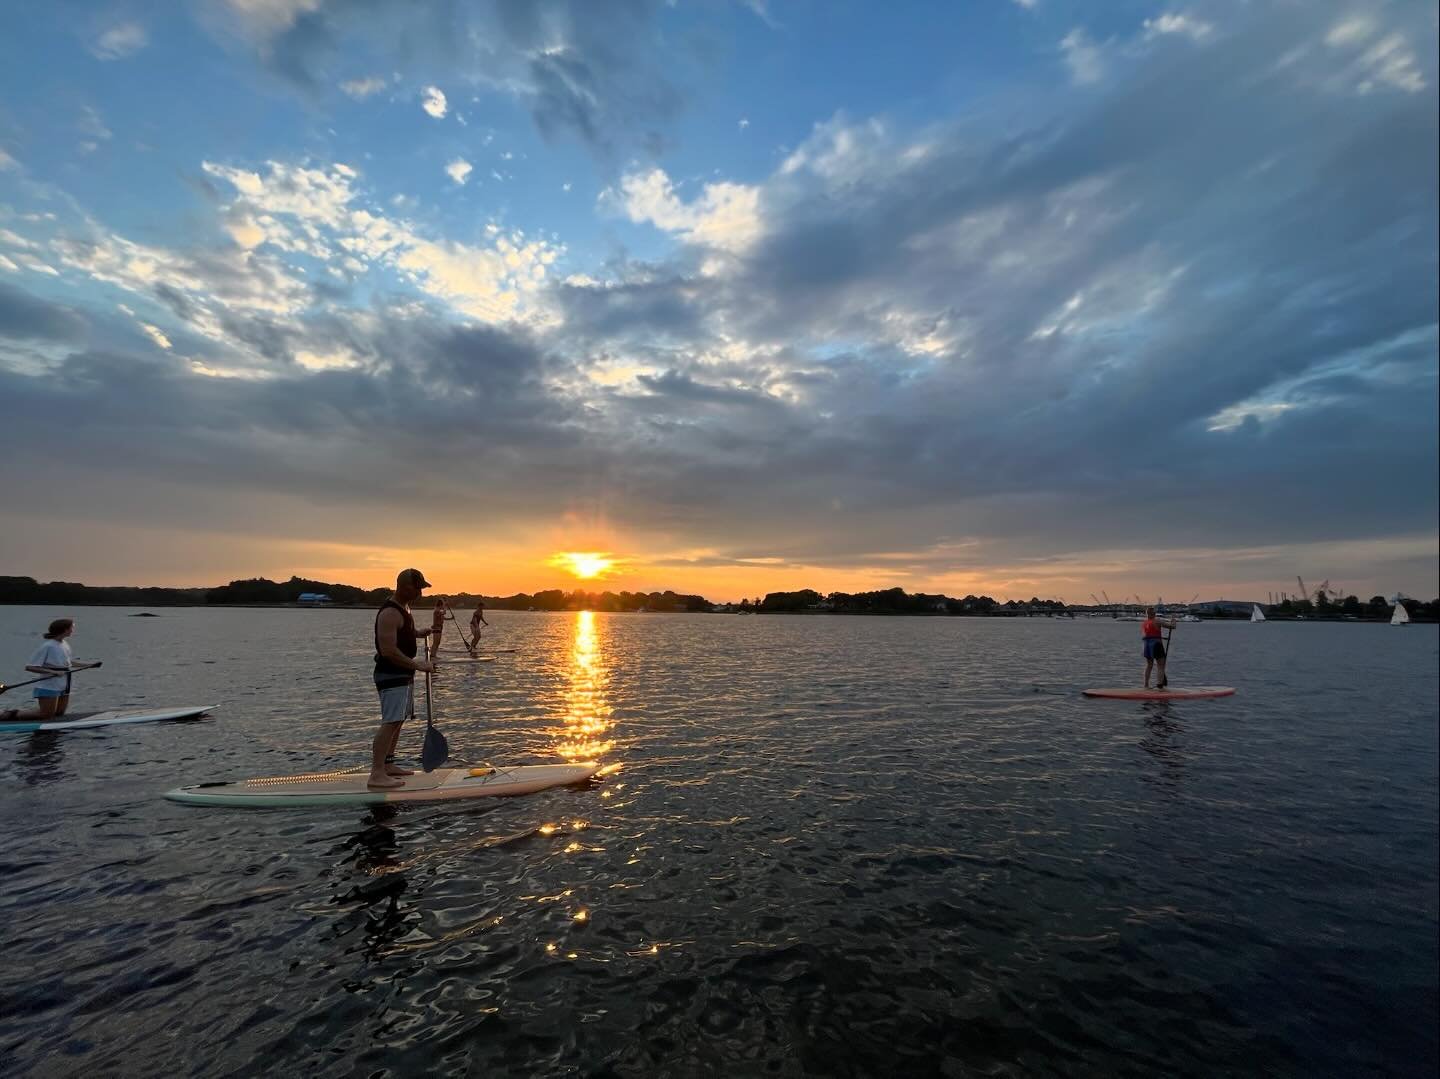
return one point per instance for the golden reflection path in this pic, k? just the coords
(587, 706)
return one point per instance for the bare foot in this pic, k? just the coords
(384, 782)
(396, 770)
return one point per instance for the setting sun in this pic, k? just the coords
(583, 564)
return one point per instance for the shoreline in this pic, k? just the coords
(1006, 615)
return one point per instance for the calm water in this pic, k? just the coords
(831, 846)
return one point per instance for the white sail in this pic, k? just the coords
(1256, 614)
(1401, 615)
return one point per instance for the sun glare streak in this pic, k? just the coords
(585, 565)
(587, 707)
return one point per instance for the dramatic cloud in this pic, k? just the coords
(1180, 324)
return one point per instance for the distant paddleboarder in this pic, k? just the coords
(1152, 632)
(437, 626)
(53, 657)
(476, 621)
(396, 645)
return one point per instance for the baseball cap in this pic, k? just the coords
(414, 578)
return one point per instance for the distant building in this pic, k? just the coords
(314, 599)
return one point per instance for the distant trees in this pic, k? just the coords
(259, 590)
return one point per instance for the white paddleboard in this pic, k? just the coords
(349, 788)
(85, 720)
(1132, 693)
(443, 660)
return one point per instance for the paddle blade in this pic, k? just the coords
(434, 751)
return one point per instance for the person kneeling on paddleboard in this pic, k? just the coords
(396, 644)
(1152, 632)
(52, 695)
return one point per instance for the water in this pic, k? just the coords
(830, 846)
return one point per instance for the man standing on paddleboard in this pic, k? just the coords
(1151, 630)
(396, 643)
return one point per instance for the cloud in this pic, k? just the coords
(317, 212)
(724, 216)
(92, 125)
(6, 161)
(434, 102)
(977, 346)
(120, 41)
(459, 170)
(1083, 57)
(268, 17)
(360, 89)
(601, 73)
(1178, 23)
(23, 316)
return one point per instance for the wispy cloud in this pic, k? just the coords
(1083, 57)
(360, 89)
(120, 41)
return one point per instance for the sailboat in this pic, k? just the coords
(1256, 614)
(1401, 615)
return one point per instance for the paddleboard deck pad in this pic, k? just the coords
(349, 788)
(1180, 693)
(86, 720)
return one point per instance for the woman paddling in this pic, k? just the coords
(1151, 631)
(476, 621)
(52, 695)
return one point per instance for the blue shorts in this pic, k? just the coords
(1154, 648)
(397, 703)
(49, 694)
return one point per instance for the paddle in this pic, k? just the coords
(47, 677)
(434, 751)
(459, 629)
(1168, 637)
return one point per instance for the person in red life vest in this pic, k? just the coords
(1151, 630)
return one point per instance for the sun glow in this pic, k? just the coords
(583, 564)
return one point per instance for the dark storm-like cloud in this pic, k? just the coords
(1222, 223)
(26, 317)
(449, 407)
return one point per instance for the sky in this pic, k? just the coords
(1016, 297)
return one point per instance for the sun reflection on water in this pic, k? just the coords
(587, 707)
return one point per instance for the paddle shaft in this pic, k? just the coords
(429, 722)
(46, 677)
(469, 647)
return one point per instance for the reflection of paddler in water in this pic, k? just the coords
(53, 658)
(396, 644)
(1151, 630)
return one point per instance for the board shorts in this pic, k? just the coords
(1154, 648)
(50, 694)
(397, 703)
